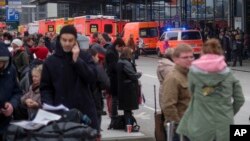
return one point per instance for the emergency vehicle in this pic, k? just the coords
(173, 37)
(146, 32)
(46, 26)
(90, 24)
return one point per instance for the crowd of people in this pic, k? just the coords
(67, 69)
(70, 69)
(235, 43)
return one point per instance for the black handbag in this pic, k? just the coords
(119, 123)
(73, 115)
(56, 131)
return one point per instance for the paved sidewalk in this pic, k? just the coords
(120, 135)
(244, 68)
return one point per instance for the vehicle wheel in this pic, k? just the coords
(158, 52)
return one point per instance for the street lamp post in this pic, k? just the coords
(121, 10)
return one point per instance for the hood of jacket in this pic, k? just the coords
(165, 62)
(209, 72)
(210, 63)
(59, 50)
(4, 52)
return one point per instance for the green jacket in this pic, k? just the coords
(20, 60)
(216, 98)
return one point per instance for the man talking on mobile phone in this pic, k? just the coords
(10, 92)
(66, 76)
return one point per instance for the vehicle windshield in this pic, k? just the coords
(191, 35)
(148, 32)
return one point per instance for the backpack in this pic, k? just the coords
(56, 131)
(73, 115)
(119, 123)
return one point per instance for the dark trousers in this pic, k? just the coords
(228, 55)
(128, 115)
(133, 58)
(114, 106)
(99, 122)
(237, 57)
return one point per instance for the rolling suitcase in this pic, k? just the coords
(159, 122)
(163, 133)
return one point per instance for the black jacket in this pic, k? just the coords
(102, 83)
(112, 57)
(127, 85)
(48, 43)
(9, 88)
(68, 83)
(239, 48)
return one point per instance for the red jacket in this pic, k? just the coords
(41, 52)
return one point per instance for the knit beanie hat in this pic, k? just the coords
(18, 42)
(4, 54)
(68, 29)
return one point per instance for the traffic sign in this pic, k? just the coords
(15, 4)
(12, 15)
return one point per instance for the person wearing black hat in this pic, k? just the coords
(66, 76)
(9, 89)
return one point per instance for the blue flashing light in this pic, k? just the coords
(168, 29)
(183, 28)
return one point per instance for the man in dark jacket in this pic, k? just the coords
(66, 77)
(227, 46)
(48, 42)
(112, 57)
(238, 51)
(10, 92)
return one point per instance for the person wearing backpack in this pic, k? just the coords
(216, 97)
(238, 51)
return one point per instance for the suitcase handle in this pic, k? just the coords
(155, 99)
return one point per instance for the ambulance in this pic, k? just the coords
(90, 24)
(176, 36)
(146, 32)
(46, 26)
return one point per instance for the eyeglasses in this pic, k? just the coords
(187, 57)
